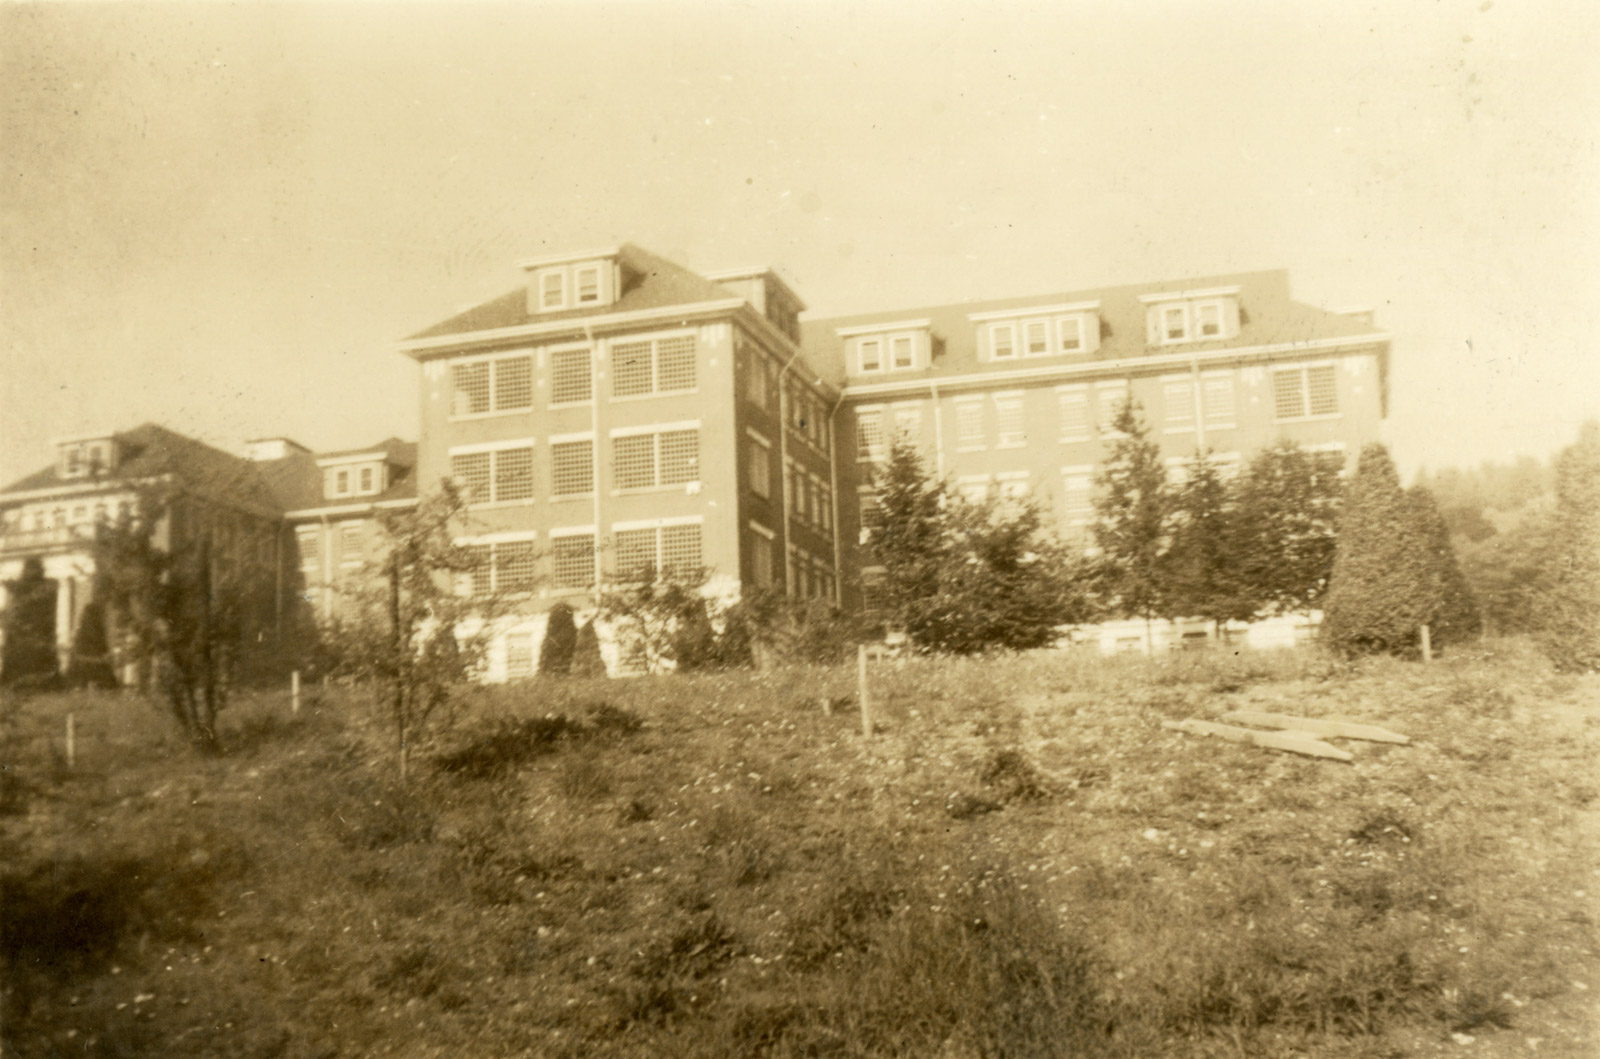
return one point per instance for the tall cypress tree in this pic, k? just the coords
(1569, 614)
(1385, 584)
(29, 657)
(1202, 563)
(1455, 617)
(1286, 528)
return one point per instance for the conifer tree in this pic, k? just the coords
(1455, 617)
(586, 658)
(29, 622)
(1201, 565)
(1569, 614)
(1285, 529)
(1132, 528)
(1385, 584)
(560, 638)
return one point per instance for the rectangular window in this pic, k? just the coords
(873, 596)
(1036, 337)
(571, 376)
(1069, 331)
(759, 474)
(515, 566)
(664, 365)
(470, 383)
(513, 383)
(479, 575)
(756, 379)
(1009, 431)
(870, 351)
(553, 290)
(1217, 395)
(973, 488)
(497, 476)
(969, 425)
(636, 553)
(869, 434)
(1301, 392)
(1177, 396)
(1078, 489)
(368, 478)
(1074, 406)
(341, 482)
(1208, 319)
(588, 285)
(760, 557)
(1013, 484)
(519, 655)
(307, 544)
(680, 457)
(571, 468)
(1002, 341)
(350, 543)
(871, 509)
(572, 560)
(1110, 400)
(908, 423)
(680, 548)
(665, 550)
(903, 351)
(1175, 323)
(827, 507)
(633, 458)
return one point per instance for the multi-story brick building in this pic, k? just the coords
(617, 411)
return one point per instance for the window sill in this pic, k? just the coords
(1222, 426)
(1177, 430)
(556, 406)
(491, 505)
(468, 416)
(1076, 439)
(643, 490)
(652, 395)
(972, 448)
(1309, 419)
(1012, 444)
(556, 498)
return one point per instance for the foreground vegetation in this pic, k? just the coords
(1021, 863)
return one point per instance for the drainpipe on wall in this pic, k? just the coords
(938, 432)
(1199, 411)
(783, 473)
(594, 428)
(833, 484)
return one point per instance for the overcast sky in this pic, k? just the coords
(223, 218)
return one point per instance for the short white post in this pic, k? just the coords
(294, 692)
(861, 690)
(1427, 645)
(72, 739)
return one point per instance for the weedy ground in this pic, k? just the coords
(1020, 862)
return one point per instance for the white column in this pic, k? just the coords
(64, 615)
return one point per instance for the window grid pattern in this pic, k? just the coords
(471, 385)
(571, 376)
(350, 544)
(513, 474)
(635, 553)
(755, 379)
(515, 566)
(1008, 421)
(571, 468)
(680, 456)
(632, 369)
(1178, 397)
(665, 365)
(513, 383)
(471, 470)
(634, 461)
(306, 542)
(1217, 393)
(676, 363)
(1070, 332)
(480, 569)
(572, 560)
(869, 435)
(680, 548)
(1299, 392)
(1322, 390)
(1074, 409)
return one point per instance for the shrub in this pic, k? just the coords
(560, 641)
(586, 659)
(90, 664)
(1569, 614)
(29, 657)
(1455, 618)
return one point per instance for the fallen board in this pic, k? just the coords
(1294, 742)
(1342, 729)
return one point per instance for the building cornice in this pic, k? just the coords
(1122, 366)
(468, 341)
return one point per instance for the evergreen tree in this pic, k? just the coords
(586, 659)
(1385, 582)
(911, 540)
(1455, 617)
(1285, 531)
(29, 651)
(560, 638)
(1133, 508)
(1569, 615)
(90, 665)
(1201, 565)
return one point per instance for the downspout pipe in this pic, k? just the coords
(783, 472)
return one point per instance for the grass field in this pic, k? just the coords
(1022, 862)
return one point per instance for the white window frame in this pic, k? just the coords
(966, 442)
(1104, 415)
(1168, 383)
(654, 340)
(868, 453)
(577, 285)
(1088, 431)
(1003, 400)
(1196, 333)
(1008, 328)
(1045, 337)
(1005, 485)
(1070, 474)
(560, 277)
(566, 533)
(493, 447)
(973, 488)
(532, 357)
(1182, 309)
(581, 437)
(549, 355)
(659, 524)
(491, 541)
(910, 341)
(876, 342)
(1077, 325)
(1232, 421)
(657, 430)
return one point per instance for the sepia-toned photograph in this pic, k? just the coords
(698, 529)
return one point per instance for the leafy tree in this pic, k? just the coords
(409, 631)
(1385, 583)
(785, 630)
(1133, 509)
(1512, 573)
(668, 618)
(1201, 566)
(560, 638)
(1455, 617)
(28, 657)
(1569, 614)
(1286, 530)
(963, 577)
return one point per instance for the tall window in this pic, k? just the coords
(663, 549)
(759, 458)
(1217, 395)
(642, 461)
(1208, 319)
(755, 378)
(1078, 489)
(571, 376)
(571, 468)
(495, 476)
(1002, 341)
(662, 365)
(1009, 431)
(1074, 408)
(870, 352)
(869, 434)
(503, 566)
(1110, 400)
(760, 556)
(504, 384)
(1175, 323)
(969, 425)
(1177, 396)
(1301, 392)
(350, 543)
(1070, 332)
(553, 290)
(587, 282)
(903, 351)
(1036, 338)
(572, 560)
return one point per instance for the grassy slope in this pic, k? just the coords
(1022, 863)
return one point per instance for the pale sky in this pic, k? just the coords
(223, 218)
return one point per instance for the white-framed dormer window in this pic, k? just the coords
(903, 352)
(869, 354)
(1208, 319)
(1206, 315)
(1036, 338)
(1175, 323)
(1069, 334)
(1002, 341)
(586, 284)
(553, 290)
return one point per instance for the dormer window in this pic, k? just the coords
(871, 354)
(1192, 316)
(347, 477)
(588, 285)
(1041, 331)
(553, 290)
(575, 281)
(906, 345)
(85, 459)
(904, 352)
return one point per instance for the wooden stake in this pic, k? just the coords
(72, 740)
(1427, 645)
(294, 692)
(861, 690)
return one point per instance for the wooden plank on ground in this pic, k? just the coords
(1341, 729)
(1294, 742)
